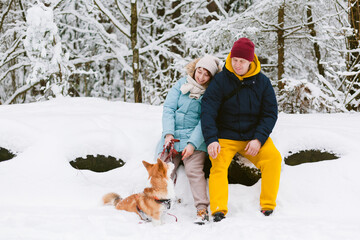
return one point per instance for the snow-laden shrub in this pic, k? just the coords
(43, 47)
(302, 96)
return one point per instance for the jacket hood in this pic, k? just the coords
(190, 67)
(254, 67)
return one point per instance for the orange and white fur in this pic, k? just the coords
(154, 200)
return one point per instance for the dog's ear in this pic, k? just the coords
(162, 166)
(147, 165)
(159, 161)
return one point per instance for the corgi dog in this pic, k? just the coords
(154, 200)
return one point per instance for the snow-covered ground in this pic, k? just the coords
(43, 197)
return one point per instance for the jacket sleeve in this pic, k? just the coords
(196, 138)
(269, 114)
(210, 105)
(169, 108)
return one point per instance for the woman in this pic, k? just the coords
(181, 120)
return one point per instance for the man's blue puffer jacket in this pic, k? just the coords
(249, 114)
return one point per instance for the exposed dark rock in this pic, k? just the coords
(239, 172)
(5, 154)
(308, 156)
(98, 163)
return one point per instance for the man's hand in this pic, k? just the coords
(188, 151)
(253, 147)
(214, 149)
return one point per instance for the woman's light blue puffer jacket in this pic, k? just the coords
(181, 118)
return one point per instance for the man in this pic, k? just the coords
(239, 111)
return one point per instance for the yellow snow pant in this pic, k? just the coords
(268, 160)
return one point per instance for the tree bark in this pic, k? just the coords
(311, 26)
(176, 44)
(22, 11)
(281, 44)
(176, 40)
(353, 40)
(135, 51)
(124, 78)
(159, 32)
(353, 58)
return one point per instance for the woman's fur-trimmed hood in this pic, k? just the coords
(190, 67)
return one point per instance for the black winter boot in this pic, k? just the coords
(266, 212)
(218, 216)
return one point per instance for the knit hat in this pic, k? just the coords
(210, 63)
(243, 48)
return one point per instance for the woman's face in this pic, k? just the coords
(202, 76)
(240, 65)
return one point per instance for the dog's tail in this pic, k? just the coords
(112, 198)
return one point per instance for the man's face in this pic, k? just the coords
(240, 65)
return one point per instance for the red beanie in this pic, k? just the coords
(243, 48)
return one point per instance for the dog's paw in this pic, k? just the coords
(156, 222)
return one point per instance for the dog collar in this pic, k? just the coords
(166, 202)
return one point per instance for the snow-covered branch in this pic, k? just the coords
(221, 9)
(2, 18)
(11, 50)
(13, 68)
(20, 91)
(112, 18)
(123, 12)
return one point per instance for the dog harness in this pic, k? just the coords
(145, 217)
(166, 202)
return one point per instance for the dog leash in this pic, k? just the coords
(173, 216)
(169, 147)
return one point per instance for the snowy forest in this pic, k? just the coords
(134, 50)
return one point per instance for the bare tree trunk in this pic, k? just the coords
(22, 10)
(281, 44)
(13, 73)
(85, 78)
(311, 26)
(13, 76)
(353, 40)
(124, 78)
(135, 50)
(159, 32)
(353, 58)
(176, 40)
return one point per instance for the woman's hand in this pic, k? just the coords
(168, 138)
(214, 149)
(188, 151)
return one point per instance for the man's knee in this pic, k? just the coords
(219, 165)
(269, 150)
